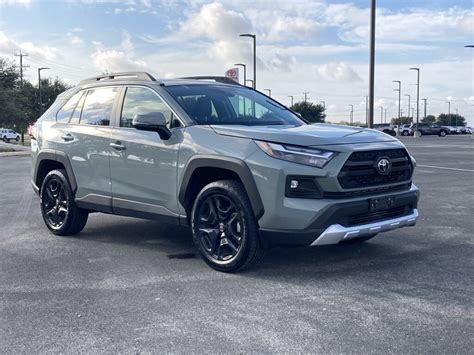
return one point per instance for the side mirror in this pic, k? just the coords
(153, 121)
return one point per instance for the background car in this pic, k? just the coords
(7, 135)
(404, 130)
(385, 128)
(429, 129)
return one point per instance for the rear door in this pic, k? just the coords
(143, 166)
(86, 137)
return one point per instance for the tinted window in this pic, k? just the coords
(139, 101)
(98, 105)
(64, 114)
(219, 104)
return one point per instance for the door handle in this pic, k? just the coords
(118, 146)
(67, 137)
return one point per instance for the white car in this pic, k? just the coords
(8, 135)
(405, 130)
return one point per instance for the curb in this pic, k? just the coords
(23, 153)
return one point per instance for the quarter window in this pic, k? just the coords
(139, 101)
(64, 114)
(98, 106)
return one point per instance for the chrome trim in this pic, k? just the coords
(337, 233)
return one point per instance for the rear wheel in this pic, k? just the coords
(442, 133)
(59, 211)
(224, 227)
(5, 139)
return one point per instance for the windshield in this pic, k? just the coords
(219, 104)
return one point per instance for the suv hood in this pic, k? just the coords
(306, 135)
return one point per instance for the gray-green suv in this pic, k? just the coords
(242, 170)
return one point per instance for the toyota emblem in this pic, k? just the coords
(384, 166)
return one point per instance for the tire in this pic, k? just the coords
(404, 133)
(5, 139)
(59, 211)
(17, 139)
(442, 134)
(358, 240)
(224, 227)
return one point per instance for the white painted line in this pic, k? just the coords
(444, 168)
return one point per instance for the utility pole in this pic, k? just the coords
(39, 87)
(399, 96)
(424, 102)
(21, 55)
(305, 93)
(352, 113)
(385, 116)
(372, 63)
(417, 99)
(291, 97)
(269, 92)
(381, 114)
(254, 37)
(449, 111)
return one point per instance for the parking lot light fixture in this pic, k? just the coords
(352, 113)
(269, 92)
(291, 97)
(254, 37)
(399, 96)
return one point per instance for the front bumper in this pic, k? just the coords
(337, 233)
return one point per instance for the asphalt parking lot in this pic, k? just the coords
(129, 285)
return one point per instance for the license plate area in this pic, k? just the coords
(381, 203)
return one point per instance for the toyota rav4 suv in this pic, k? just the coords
(240, 169)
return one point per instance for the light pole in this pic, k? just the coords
(291, 97)
(324, 104)
(245, 70)
(372, 63)
(424, 112)
(249, 81)
(399, 96)
(39, 86)
(409, 104)
(269, 92)
(352, 113)
(385, 116)
(417, 96)
(381, 114)
(254, 37)
(449, 111)
(367, 111)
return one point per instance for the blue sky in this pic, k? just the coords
(315, 46)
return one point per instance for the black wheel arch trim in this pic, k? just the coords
(58, 156)
(234, 165)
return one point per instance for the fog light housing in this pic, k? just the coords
(302, 187)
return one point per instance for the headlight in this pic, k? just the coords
(301, 155)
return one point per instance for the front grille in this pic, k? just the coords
(377, 216)
(359, 170)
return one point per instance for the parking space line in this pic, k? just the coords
(444, 168)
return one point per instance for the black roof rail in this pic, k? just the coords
(142, 76)
(217, 79)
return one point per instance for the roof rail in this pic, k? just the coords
(217, 79)
(120, 76)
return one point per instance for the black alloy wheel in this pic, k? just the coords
(220, 227)
(55, 203)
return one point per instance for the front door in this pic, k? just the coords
(143, 166)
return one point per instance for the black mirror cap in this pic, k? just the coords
(152, 121)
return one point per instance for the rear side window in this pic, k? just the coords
(98, 106)
(139, 101)
(76, 116)
(64, 114)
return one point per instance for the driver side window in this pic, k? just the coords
(139, 101)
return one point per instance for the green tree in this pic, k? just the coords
(310, 112)
(402, 120)
(429, 119)
(451, 120)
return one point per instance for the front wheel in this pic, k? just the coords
(58, 208)
(17, 139)
(224, 227)
(5, 139)
(405, 133)
(442, 134)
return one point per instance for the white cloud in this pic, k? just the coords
(114, 61)
(337, 71)
(15, 2)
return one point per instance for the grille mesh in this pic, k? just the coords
(359, 170)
